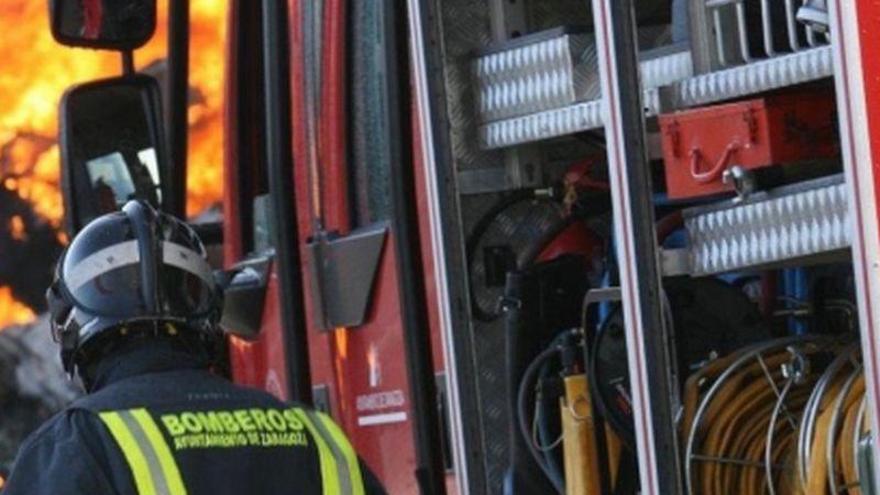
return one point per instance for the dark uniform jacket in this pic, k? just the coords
(156, 423)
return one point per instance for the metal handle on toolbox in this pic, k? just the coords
(716, 171)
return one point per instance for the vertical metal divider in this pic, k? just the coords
(408, 251)
(848, 19)
(425, 79)
(702, 41)
(279, 158)
(650, 348)
(176, 103)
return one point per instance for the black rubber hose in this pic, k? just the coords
(534, 250)
(473, 240)
(522, 408)
(544, 430)
(617, 423)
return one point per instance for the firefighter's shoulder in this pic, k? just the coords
(59, 455)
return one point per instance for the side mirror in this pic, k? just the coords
(112, 147)
(108, 24)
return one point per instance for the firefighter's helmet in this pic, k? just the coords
(132, 273)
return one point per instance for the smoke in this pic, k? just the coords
(34, 384)
(29, 246)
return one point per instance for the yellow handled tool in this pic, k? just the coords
(579, 439)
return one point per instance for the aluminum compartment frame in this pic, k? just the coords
(854, 27)
(538, 71)
(433, 154)
(650, 340)
(548, 119)
(757, 77)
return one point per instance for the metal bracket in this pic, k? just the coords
(675, 262)
(605, 294)
(498, 179)
(815, 14)
(866, 465)
(342, 270)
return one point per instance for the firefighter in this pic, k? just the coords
(135, 310)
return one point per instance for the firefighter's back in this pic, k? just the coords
(157, 424)
(191, 431)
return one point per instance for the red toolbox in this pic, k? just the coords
(699, 145)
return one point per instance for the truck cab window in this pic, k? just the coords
(251, 174)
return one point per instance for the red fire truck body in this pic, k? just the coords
(572, 247)
(359, 373)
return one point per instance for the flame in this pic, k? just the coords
(37, 71)
(13, 312)
(16, 228)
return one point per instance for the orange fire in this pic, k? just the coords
(36, 73)
(13, 312)
(16, 228)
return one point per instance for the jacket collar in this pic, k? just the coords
(142, 358)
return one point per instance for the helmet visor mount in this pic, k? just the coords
(108, 282)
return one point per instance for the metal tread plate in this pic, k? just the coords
(765, 75)
(779, 72)
(790, 223)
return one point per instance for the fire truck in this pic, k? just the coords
(522, 246)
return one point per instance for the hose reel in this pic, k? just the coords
(781, 417)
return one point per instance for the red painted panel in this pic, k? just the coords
(231, 228)
(333, 120)
(869, 24)
(261, 363)
(364, 367)
(367, 363)
(373, 385)
(320, 353)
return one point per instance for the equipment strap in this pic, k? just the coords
(152, 465)
(340, 469)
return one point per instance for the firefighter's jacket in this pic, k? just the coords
(155, 426)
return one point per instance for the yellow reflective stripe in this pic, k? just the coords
(166, 459)
(343, 473)
(341, 441)
(131, 450)
(329, 473)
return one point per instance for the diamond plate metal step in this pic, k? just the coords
(786, 224)
(786, 70)
(779, 72)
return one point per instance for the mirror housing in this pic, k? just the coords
(112, 147)
(108, 24)
(244, 296)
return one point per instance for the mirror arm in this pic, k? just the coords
(127, 62)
